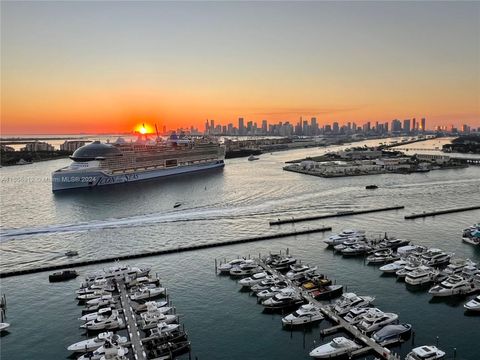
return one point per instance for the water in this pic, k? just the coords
(38, 227)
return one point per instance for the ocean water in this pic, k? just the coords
(223, 323)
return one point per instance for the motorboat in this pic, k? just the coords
(411, 249)
(102, 350)
(455, 267)
(98, 306)
(344, 235)
(168, 350)
(153, 316)
(106, 297)
(469, 271)
(274, 290)
(94, 343)
(226, 267)
(382, 256)
(284, 298)
(349, 301)
(143, 281)
(255, 279)
(267, 284)
(105, 312)
(112, 322)
(359, 248)
(435, 257)
(253, 158)
(62, 276)
(394, 266)
(391, 334)
(305, 314)
(347, 243)
(421, 275)
(144, 293)
(96, 294)
(357, 314)
(4, 326)
(326, 292)
(101, 285)
(338, 346)
(454, 285)
(407, 269)
(391, 243)
(473, 305)
(425, 352)
(283, 263)
(375, 321)
(117, 272)
(71, 253)
(114, 353)
(163, 328)
(246, 269)
(143, 306)
(298, 270)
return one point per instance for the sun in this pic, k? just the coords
(143, 131)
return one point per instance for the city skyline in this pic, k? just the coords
(100, 67)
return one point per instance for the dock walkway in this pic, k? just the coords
(341, 324)
(133, 331)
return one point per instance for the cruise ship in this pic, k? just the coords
(100, 164)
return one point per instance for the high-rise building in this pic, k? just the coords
(423, 125)
(264, 126)
(335, 128)
(241, 126)
(396, 125)
(406, 125)
(414, 124)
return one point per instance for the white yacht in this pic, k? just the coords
(350, 300)
(425, 352)
(4, 326)
(151, 319)
(435, 257)
(470, 271)
(115, 353)
(338, 346)
(374, 321)
(97, 304)
(117, 272)
(159, 306)
(92, 295)
(344, 235)
(100, 353)
(105, 312)
(407, 269)
(382, 256)
(274, 290)
(144, 293)
(421, 275)
(283, 299)
(356, 315)
(112, 322)
(394, 266)
(305, 314)
(473, 305)
(255, 279)
(226, 267)
(454, 285)
(455, 267)
(163, 328)
(359, 248)
(96, 342)
(246, 269)
(298, 270)
(267, 284)
(283, 263)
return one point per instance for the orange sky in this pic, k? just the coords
(78, 67)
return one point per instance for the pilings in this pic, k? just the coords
(441, 212)
(164, 252)
(337, 214)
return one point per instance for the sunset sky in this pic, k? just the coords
(70, 67)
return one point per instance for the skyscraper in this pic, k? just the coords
(241, 126)
(423, 125)
(406, 125)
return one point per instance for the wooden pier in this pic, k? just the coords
(441, 212)
(131, 322)
(163, 252)
(337, 214)
(341, 324)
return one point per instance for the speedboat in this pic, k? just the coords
(394, 266)
(4, 326)
(298, 270)
(284, 298)
(375, 321)
(105, 312)
(454, 285)
(421, 275)
(425, 352)
(226, 267)
(473, 305)
(144, 293)
(391, 334)
(349, 301)
(96, 342)
(305, 314)
(338, 346)
(112, 322)
(382, 256)
(102, 350)
(435, 257)
(255, 279)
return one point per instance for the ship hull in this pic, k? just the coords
(68, 180)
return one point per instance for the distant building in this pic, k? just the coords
(71, 146)
(439, 159)
(241, 126)
(423, 125)
(406, 125)
(6, 148)
(38, 146)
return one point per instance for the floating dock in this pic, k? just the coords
(337, 214)
(163, 252)
(441, 212)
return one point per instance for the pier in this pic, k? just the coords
(441, 212)
(337, 214)
(341, 324)
(163, 252)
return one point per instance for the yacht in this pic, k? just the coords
(421, 275)
(297, 271)
(455, 267)
(246, 269)
(97, 304)
(112, 322)
(105, 312)
(360, 248)
(344, 235)
(283, 263)
(470, 271)
(391, 334)
(435, 257)
(225, 268)
(473, 305)
(326, 292)
(143, 307)
(338, 346)
(96, 294)
(375, 321)
(153, 317)
(114, 353)
(357, 314)
(349, 301)
(268, 293)
(407, 269)
(267, 284)
(163, 328)
(144, 293)
(117, 272)
(283, 299)
(382, 256)
(102, 350)
(392, 243)
(255, 279)
(394, 266)
(347, 243)
(425, 352)
(454, 285)
(305, 314)
(94, 343)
